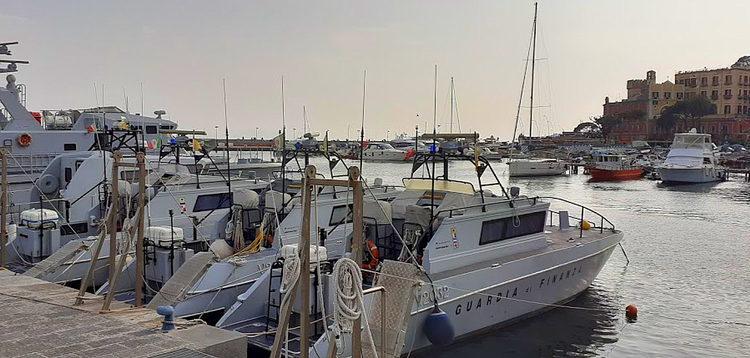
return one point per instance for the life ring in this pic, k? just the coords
(23, 139)
(374, 256)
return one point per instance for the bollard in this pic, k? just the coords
(168, 313)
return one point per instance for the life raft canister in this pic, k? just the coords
(23, 139)
(374, 256)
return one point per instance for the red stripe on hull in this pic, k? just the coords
(610, 175)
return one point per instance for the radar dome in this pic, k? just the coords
(11, 78)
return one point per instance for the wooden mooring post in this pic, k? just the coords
(308, 184)
(112, 219)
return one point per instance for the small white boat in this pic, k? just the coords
(535, 167)
(691, 160)
(385, 152)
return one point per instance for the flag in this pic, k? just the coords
(196, 145)
(158, 143)
(325, 143)
(278, 141)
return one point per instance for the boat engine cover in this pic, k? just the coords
(246, 198)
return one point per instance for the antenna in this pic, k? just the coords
(362, 128)
(226, 131)
(96, 95)
(434, 149)
(452, 93)
(283, 144)
(304, 120)
(142, 112)
(125, 97)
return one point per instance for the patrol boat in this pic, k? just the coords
(208, 284)
(66, 207)
(34, 139)
(448, 251)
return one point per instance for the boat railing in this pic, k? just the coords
(533, 201)
(31, 163)
(584, 210)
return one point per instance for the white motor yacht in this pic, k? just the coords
(691, 159)
(385, 152)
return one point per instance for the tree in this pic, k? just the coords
(607, 124)
(691, 110)
(589, 129)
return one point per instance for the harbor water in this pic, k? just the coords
(688, 247)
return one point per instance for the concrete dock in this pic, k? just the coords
(38, 320)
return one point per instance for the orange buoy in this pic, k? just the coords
(631, 312)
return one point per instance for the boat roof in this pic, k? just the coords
(440, 185)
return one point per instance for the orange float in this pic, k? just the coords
(374, 256)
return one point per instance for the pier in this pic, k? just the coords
(38, 320)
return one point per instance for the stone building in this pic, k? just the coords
(728, 88)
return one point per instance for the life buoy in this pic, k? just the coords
(23, 139)
(374, 256)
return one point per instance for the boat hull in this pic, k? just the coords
(615, 175)
(690, 175)
(504, 303)
(523, 168)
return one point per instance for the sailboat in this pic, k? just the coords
(524, 166)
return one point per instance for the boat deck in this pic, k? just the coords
(38, 319)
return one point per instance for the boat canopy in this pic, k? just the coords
(440, 185)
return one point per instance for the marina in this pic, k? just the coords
(343, 206)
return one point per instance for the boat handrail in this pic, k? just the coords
(584, 208)
(485, 205)
(533, 201)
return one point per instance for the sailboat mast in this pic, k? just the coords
(533, 61)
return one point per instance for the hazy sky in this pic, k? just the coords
(181, 50)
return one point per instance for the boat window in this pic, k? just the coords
(706, 160)
(509, 228)
(492, 231)
(212, 202)
(70, 147)
(338, 213)
(151, 130)
(167, 127)
(68, 174)
(70, 229)
(8, 143)
(528, 224)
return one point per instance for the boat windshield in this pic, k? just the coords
(380, 146)
(690, 141)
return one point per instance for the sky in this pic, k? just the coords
(181, 50)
